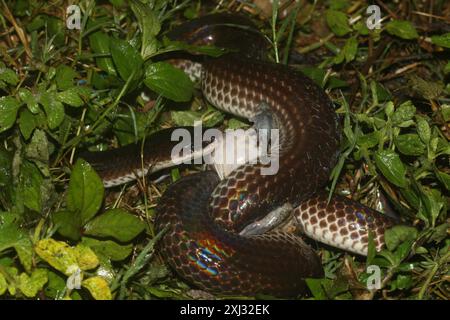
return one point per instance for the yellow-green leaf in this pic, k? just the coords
(31, 285)
(58, 254)
(65, 258)
(86, 258)
(98, 287)
(402, 29)
(3, 284)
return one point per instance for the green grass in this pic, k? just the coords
(63, 91)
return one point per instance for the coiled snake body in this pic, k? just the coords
(204, 215)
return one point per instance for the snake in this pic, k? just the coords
(204, 215)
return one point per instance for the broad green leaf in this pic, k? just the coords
(318, 76)
(389, 163)
(27, 123)
(361, 28)
(156, 270)
(85, 193)
(423, 129)
(348, 52)
(126, 59)
(402, 29)
(404, 112)
(70, 97)
(115, 223)
(37, 23)
(398, 234)
(9, 76)
(314, 73)
(26, 96)
(432, 204)
(55, 28)
(30, 186)
(100, 44)
(401, 282)
(338, 22)
(444, 178)
(11, 236)
(169, 81)
(408, 266)
(64, 77)
(439, 233)
(108, 248)
(98, 287)
(50, 73)
(411, 197)
(37, 149)
(31, 285)
(404, 249)
(382, 92)
(68, 223)
(369, 140)
(55, 285)
(104, 81)
(377, 122)
(389, 259)
(53, 109)
(389, 109)
(8, 112)
(149, 26)
(350, 49)
(316, 288)
(410, 144)
(442, 40)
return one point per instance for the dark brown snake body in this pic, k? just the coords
(204, 215)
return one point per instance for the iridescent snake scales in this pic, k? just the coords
(205, 215)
